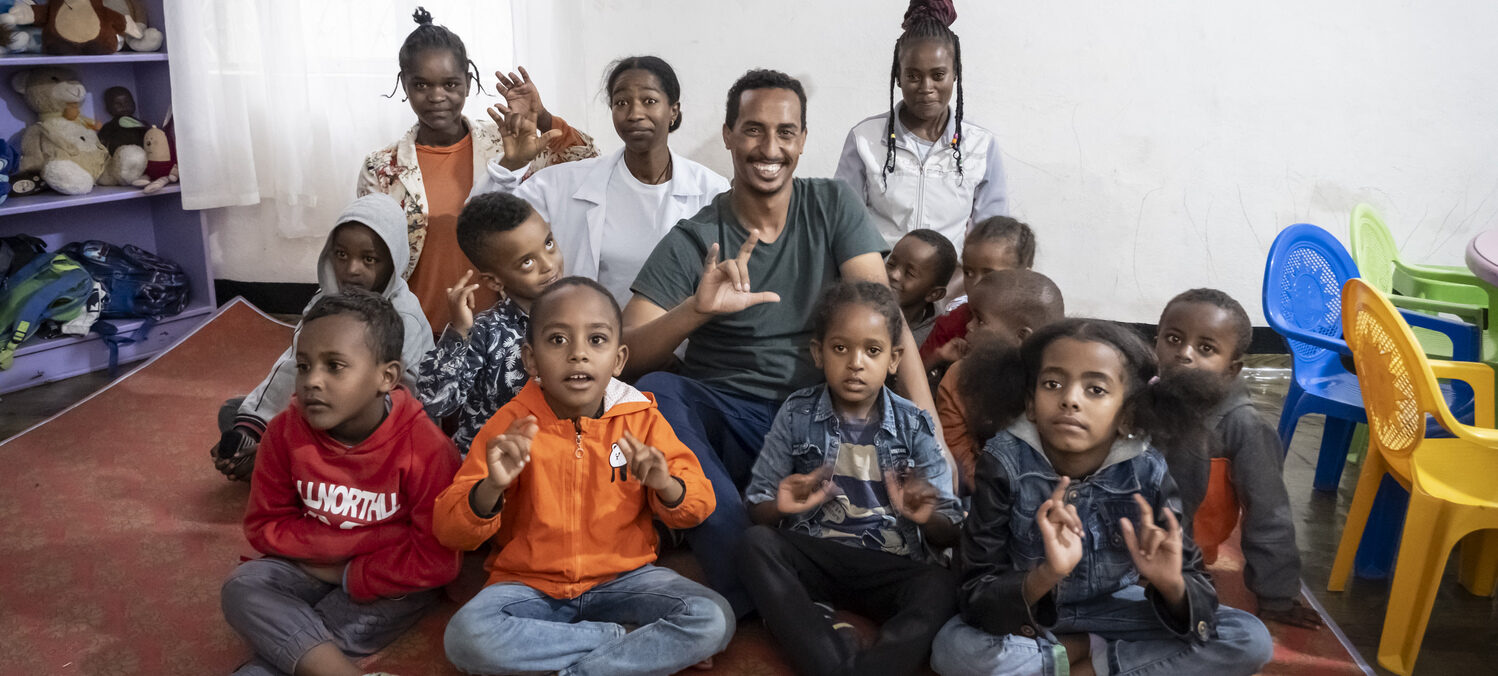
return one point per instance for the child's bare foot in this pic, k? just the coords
(1078, 653)
(704, 665)
(1296, 615)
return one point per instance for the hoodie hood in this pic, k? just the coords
(1123, 450)
(618, 399)
(383, 215)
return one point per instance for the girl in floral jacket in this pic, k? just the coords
(430, 171)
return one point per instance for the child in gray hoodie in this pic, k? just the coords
(366, 249)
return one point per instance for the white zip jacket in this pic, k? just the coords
(925, 192)
(572, 197)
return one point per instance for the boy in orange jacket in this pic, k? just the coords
(341, 501)
(565, 479)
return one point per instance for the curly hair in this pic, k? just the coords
(383, 330)
(542, 304)
(946, 254)
(1020, 237)
(485, 215)
(762, 78)
(1242, 326)
(872, 295)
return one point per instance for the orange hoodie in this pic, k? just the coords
(571, 520)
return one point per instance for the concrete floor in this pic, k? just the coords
(1463, 634)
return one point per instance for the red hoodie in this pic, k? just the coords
(313, 499)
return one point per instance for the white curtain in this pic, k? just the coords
(277, 102)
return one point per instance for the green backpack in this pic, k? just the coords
(50, 287)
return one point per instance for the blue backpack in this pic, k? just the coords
(137, 283)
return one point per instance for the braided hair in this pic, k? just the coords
(431, 36)
(925, 20)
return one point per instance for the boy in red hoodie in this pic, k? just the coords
(341, 502)
(565, 479)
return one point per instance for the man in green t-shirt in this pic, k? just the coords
(739, 279)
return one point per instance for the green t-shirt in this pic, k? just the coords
(762, 351)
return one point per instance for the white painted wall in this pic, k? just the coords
(1153, 146)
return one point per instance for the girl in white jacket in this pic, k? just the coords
(921, 165)
(608, 213)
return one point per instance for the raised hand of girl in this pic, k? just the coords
(522, 96)
(1156, 551)
(517, 133)
(1060, 531)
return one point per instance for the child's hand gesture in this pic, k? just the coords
(1156, 551)
(913, 497)
(804, 492)
(1061, 531)
(648, 464)
(509, 453)
(725, 286)
(952, 350)
(460, 304)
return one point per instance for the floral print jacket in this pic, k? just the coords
(393, 170)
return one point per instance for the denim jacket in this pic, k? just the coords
(805, 436)
(1001, 542)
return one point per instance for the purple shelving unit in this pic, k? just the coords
(121, 215)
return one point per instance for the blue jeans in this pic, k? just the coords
(509, 628)
(1137, 643)
(726, 431)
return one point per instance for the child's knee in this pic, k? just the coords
(960, 649)
(468, 638)
(1245, 636)
(710, 619)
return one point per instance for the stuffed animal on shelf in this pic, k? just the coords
(161, 159)
(62, 145)
(18, 39)
(150, 38)
(75, 26)
(123, 129)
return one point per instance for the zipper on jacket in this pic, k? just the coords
(572, 500)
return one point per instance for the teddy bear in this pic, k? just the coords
(75, 26)
(63, 145)
(150, 38)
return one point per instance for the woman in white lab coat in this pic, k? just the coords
(608, 213)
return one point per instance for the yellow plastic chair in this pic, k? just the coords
(1451, 481)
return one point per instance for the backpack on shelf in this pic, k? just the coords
(52, 287)
(137, 283)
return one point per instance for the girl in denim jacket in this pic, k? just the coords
(1073, 559)
(851, 494)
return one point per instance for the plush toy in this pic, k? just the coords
(18, 39)
(161, 160)
(8, 159)
(75, 26)
(150, 38)
(123, 129)
(62, 144)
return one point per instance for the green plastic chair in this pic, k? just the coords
(1425, 288)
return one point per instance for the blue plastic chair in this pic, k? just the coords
(1303, 281)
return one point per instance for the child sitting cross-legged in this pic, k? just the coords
(919, 267)
(341, 501)
(565, 479)
(476, 367)
(1208, 331)
(852, 496)
(1005, 308)
(1073, 559)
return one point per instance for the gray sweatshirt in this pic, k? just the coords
(384, 216)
